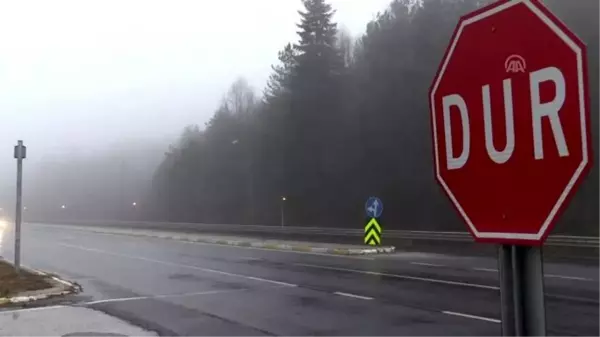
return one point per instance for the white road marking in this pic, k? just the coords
(179, 265)
(200, 293)
(568, 277)
(353, 296)
(576, 278)
(487, 319)
(32, 309)
(486, 269)
(405, 277)
(122, 299)
(426, 264)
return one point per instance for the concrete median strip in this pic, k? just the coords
(286, 246)
(298, 247)
(301, 247)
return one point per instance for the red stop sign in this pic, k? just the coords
(510, 120)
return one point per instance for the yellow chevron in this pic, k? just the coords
(372, 235)
(373, 221)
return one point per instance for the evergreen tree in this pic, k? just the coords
(279, 84)
(317, 46)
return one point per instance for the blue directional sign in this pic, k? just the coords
(374, 207)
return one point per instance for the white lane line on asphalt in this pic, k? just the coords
(32, 309)
(568, 277)
(353, 296)
(481, 318)
(199, 293)
(486, 269)
(575, 278)
(427, 264)
(179, 265)
(405, 277)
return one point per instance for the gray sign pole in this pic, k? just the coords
(522, 290)
(528, 276)
(20, 152)
(505, 267)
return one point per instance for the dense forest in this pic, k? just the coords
(341, 119)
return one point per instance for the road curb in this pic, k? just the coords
(61, 287)
(259, 244)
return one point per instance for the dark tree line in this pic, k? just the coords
(340, 120)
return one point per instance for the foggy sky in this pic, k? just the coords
(81, 75)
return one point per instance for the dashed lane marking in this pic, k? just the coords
(486, 269)
(568, 277)
(481, 318)
(405, 277)
(140, 258)
(353, 295)
(564, 277)
(427, 264)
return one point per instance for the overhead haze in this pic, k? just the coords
(86, 73)
(88, 77)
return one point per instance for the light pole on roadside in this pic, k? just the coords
(283, 199)
(19, 154)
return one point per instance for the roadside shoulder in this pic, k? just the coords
(30, 285)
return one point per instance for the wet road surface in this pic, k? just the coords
(181, 288)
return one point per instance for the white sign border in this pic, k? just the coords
(581, 90)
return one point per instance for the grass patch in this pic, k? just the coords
(12, 284)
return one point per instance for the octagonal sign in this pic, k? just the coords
(510, 120)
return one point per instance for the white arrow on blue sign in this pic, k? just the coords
(374, 207)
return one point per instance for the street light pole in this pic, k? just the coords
(282, 212)
(19, 154)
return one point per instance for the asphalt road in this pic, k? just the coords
(179, 288)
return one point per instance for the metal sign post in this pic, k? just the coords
(20, 153)
(530, 312)
(522, 291)
(507, 307)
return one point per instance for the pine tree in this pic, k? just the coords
(279, 83)
(317, 50)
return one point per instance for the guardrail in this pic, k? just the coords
(553, 240)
